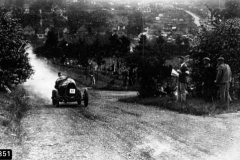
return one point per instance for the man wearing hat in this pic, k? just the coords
(182, 79)
(223, 79)
(208, 80)
(59, 80)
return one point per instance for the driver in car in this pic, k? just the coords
(59, 80)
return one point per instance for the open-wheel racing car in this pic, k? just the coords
(67, 91)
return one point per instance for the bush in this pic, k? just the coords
(149, 58)
(14, 107)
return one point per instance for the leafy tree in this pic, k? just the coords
(224, 41)
(120, 46)
(83, 52)
(232, 9)
(8, 3)
(178, 40)
(99, 18)
(50, 48)
(149, 59)
(124, 46)
(19, 3)
(77, 17)
(31, 19)
(14, 62)
(52, 38)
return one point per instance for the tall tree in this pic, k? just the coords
(14, 62)
(149, 59)
(232, 9)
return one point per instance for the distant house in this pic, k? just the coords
(183, 27)
(114, 30)
(167, 27)
(28, 31)
(65, 31)
(41, 33)
(26, 8)
(174, 27)
(120, 30)
(82, 31)
(100, 31)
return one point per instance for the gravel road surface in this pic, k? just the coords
(108, 129)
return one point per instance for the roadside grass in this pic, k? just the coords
(193, 106)
(13, 108)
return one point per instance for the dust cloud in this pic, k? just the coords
(43, 80)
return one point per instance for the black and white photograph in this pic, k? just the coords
(119, 79)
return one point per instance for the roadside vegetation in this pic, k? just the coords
(13, 107)
(15, 69)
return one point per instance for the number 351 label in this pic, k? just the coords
(6, 154)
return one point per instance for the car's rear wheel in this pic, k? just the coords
(85, 97)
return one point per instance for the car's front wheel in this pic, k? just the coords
(54, 96)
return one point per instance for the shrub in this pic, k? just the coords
(149, 59)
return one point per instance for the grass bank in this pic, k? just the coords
(13, 107)
(193, 106)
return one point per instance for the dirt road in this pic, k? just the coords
(108, 129)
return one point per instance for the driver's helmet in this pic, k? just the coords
(59, 74)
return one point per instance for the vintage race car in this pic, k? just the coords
(67, 91)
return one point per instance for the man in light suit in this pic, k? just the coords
(223, 79)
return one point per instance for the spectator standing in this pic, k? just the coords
(118, 65)
(92, 77)
(223, 79)
(130, 75)
(208, 80)
(125, 77)
(182, 79)
(113, 67)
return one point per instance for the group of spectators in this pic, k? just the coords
(221, 79)
(129, 76)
